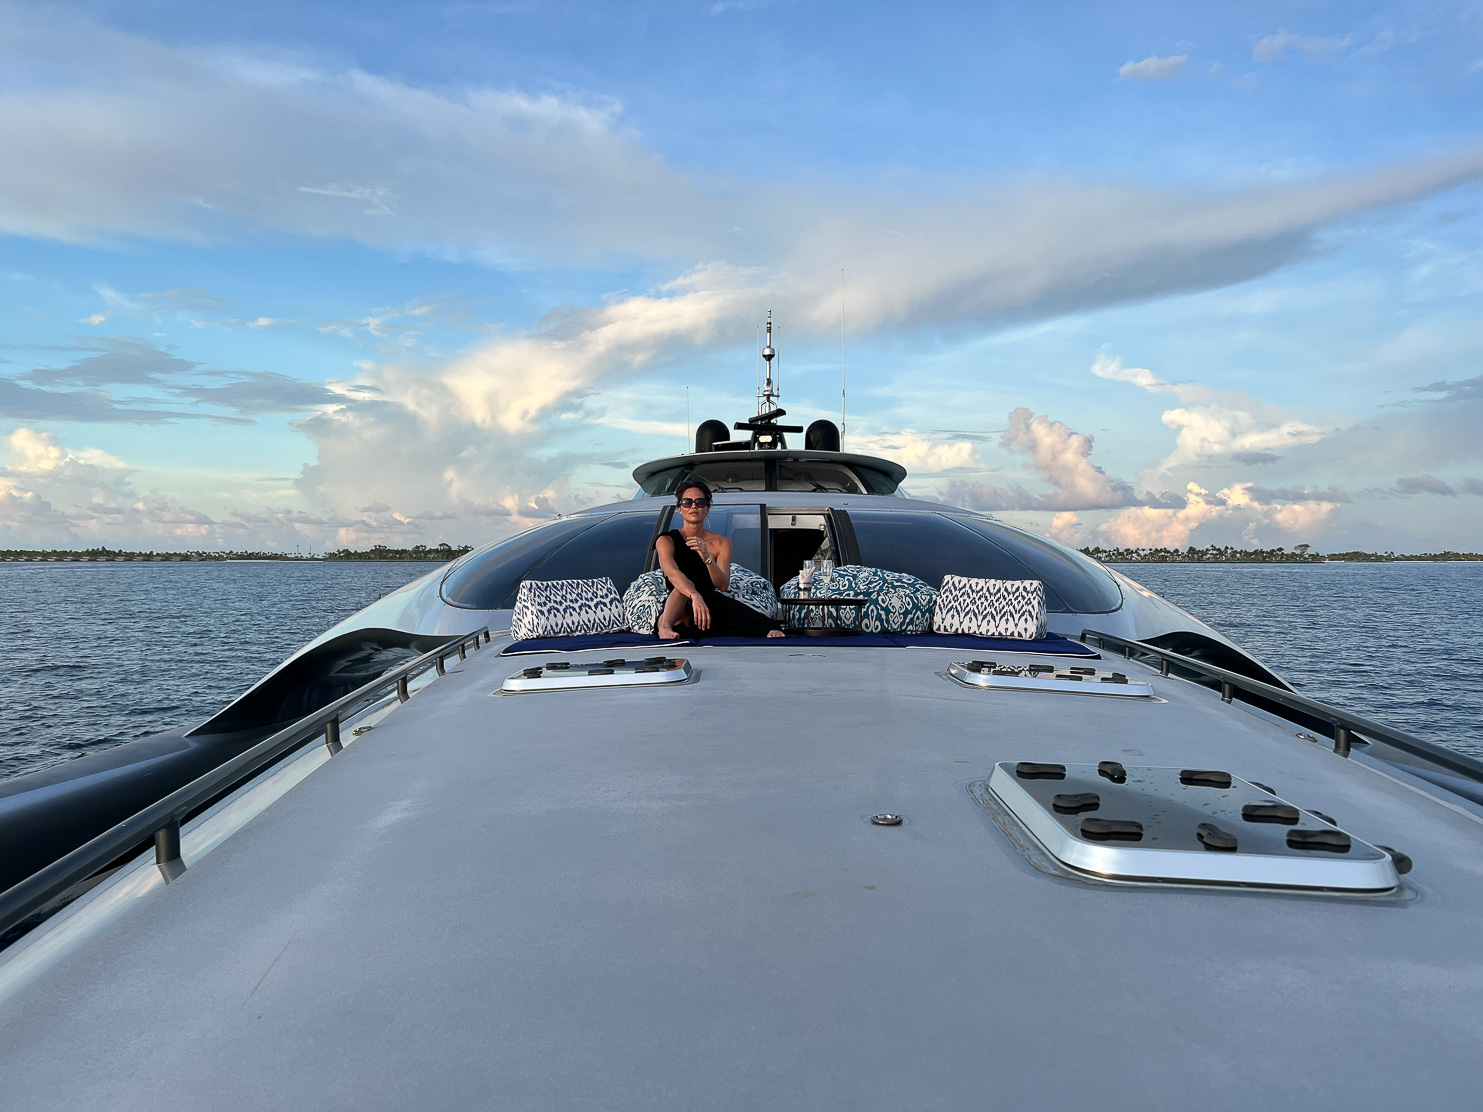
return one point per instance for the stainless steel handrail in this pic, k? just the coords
(1343, 723)
(161, 821)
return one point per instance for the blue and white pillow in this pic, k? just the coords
(895, 602)
(1013, 608)
(566, 608)
(644, 600)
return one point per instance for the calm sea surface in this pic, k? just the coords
(96, 654)
(1395, 642)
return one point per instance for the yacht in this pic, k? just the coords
(422, 864)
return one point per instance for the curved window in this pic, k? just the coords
(611, 545)
(1083, 586)
(930, 546)
(484, 580)
(615, 548)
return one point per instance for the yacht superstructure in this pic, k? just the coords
(1122, 867)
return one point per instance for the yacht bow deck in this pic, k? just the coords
(649, 898)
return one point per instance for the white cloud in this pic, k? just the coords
(1316, 48)
(1153, 68)
(920, 453)
(1158, 527)
(1212, 422)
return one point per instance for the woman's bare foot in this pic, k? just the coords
(667, 633)
(774, 633)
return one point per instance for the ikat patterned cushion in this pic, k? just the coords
(991, 608)
(644, 600)
(894, 601)
(566, 608)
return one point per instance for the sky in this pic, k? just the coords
(303, 276)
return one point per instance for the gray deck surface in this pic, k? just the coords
(671, 899)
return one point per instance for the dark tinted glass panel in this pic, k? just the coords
(663, 482)
(930, 546)
(488, 580)
(724, 475)
(1083, 586)
(876, 482)
(743, 524)
(818, 476)
(615, 547)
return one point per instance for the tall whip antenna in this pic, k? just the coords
(841, 360)
(687, 419)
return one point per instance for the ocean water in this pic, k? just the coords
(97, 654)
(1399, 643)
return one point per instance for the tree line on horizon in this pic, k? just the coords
(1228, 554)
(438, 552)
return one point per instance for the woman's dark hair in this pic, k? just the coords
(692, 483)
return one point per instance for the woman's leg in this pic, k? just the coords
(676, 609)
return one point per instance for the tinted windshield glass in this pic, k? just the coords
(616, 547)
(743, 524)
(1083, 586)
(930, 546)
(487, 580)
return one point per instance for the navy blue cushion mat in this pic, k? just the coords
(1052, 644)
(588, 641)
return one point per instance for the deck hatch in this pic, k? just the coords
(1156, 826)
(1046, 677)
(564, 675)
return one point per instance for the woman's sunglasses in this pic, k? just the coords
(686, 503)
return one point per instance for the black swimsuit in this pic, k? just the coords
(728, 616)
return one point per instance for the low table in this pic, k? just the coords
(857, 604)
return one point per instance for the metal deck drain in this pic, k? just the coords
(565, 675)
(1183, 826)
(1066, 680)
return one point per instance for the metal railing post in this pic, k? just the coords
(463, 650)
(440, 666)
(1341, 739)
(402, 693)
(167, 851)
(1163, 665)
(1227, 691)
(332, 736)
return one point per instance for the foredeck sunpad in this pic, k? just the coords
(1052, 644)
(624, 640)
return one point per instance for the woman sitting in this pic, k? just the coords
(697, 564)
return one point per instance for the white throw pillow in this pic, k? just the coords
(566, 608)
(991, 608)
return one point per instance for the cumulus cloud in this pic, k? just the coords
(1284, 44)
(920, 453)
(1161, 527)
(1153, 68)
(1061, 458)
(1212, 422)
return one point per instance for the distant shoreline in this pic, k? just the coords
(442, 553)
(420, 553)
(1301, 555)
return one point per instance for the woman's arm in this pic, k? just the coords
(664, 548)
(721, 569)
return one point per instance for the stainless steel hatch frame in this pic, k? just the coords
(1175, 813)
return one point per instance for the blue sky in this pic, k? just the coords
(309, 275)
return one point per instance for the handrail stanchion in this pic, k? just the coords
(440, 666)
(160, 821)
(167, 850)
(462, 653)
(1266, 695)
